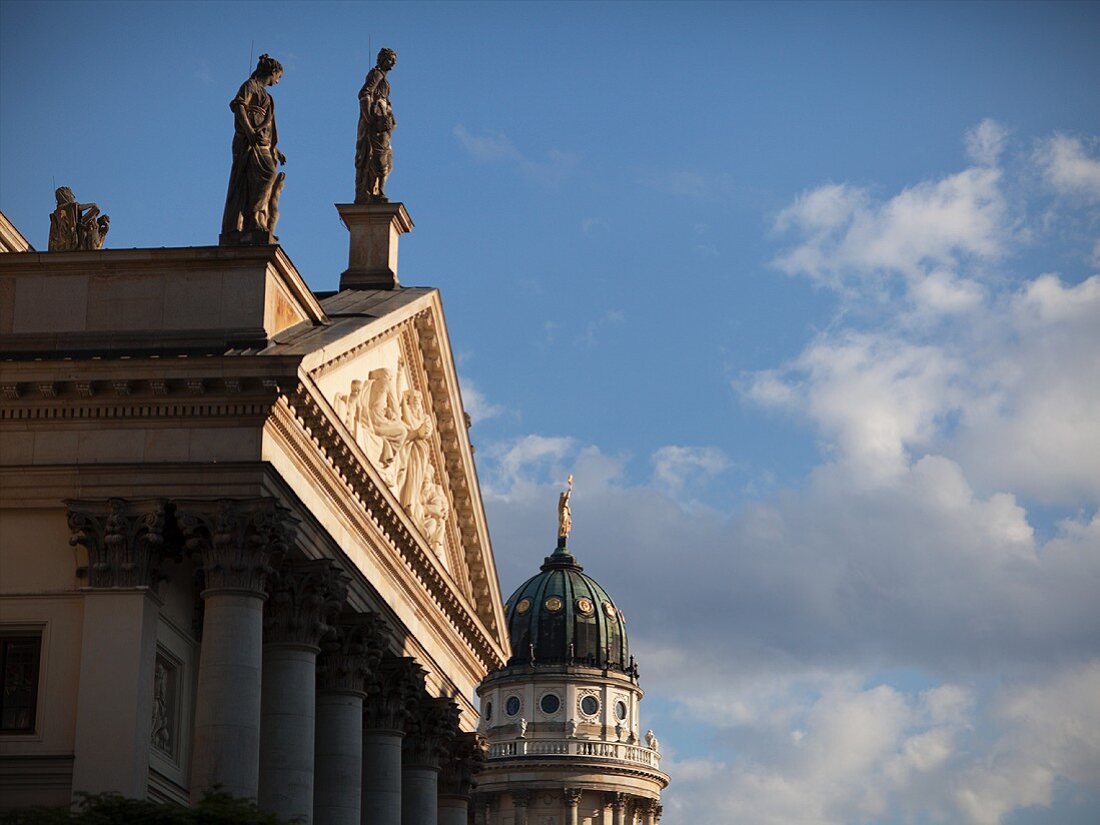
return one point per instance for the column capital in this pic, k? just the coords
(429, 731)
(351, 652)
(464, 759)
(236, 541)
(521, 799)
(572, 797)
(305, 596)
(124, 540)
(617, 801)
(393, 692)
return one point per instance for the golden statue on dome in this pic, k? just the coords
(565, 516)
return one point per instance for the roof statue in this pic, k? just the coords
(75, 225)
(255, 183)
(373, 155)
(565, 515)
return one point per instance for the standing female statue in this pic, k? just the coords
(373, 155)
(252, 203)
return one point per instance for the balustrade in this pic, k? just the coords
(589, 748)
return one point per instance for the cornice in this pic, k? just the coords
(434, 366)
(337, 466)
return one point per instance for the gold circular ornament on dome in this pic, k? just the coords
(523, 606)
(584, 605)
(609, 609)
(554, 604)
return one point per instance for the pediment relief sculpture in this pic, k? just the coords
(389, 420)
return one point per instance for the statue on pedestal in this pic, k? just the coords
(373, 155)
(252, 202)
(75, 225)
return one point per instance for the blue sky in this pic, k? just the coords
(805, 295)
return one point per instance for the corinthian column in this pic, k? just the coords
(235, 542)
(427, 735)
(393, 693)
(347, 658)
(305, 596)
(618, 807)
(462, 762)
(520, 800)
(572, 802)
(125, 544)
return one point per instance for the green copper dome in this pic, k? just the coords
(563, 617)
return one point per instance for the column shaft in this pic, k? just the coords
(453, 810)
(339, 764)
(287, 725)
(115, 694)
(419, 796)
(227, 706)
(381, 777)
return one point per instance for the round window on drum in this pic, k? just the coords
(550, 704)
(488, 711)
(620, 710)
(511, 707)
(590, 705)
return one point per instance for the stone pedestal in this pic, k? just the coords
(372, 251)
(249, 237)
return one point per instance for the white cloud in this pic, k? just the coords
(594, 328)
(476, 404)
(921, 237)
(985, 142)
(675, 466)
(497, 147)
(1068, 168)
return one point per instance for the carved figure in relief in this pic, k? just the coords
(255, 182)
(417, 450)
(373, 153)
(75, 225)
(161, 735)
(572, 728)
(522, 728)
(651, 741)
(435, 510)
(381, 415)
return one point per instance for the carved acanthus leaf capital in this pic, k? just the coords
(236, 541)
(463, 761)
(572, 797)
(124, 540)
(429, 732)
(305, 597)
(351, 652)
(393, 692)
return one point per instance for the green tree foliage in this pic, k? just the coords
(111, 809)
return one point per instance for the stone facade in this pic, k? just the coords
(234, 572)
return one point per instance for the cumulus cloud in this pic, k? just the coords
(476, 404)
(892, 638)
(1067, 166)
(497, 147)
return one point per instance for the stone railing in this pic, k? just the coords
(587, 748)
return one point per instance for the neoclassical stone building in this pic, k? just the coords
(562, 716)
(241, 537)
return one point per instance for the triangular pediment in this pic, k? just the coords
(386, 374)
